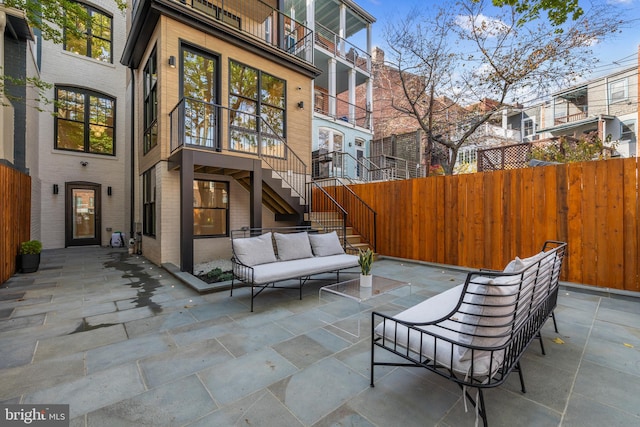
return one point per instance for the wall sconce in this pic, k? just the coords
(55, 189)
(109, 191)
(84, 164)
(172, 61)
(301, 105)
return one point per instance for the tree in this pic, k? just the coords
(569, 150)
(463, 56)
(558, 11)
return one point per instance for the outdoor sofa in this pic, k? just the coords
(475, 333)
(264, 257)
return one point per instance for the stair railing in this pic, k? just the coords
(359, 214)
(326, 211)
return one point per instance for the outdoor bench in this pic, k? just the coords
(264, 257)
(475, 333)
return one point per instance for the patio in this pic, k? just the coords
(125, 343)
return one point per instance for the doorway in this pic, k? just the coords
(82, 217)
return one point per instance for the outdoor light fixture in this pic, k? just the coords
(301, 105)
(172, 61)
(55, 188)
(109, 191)
(84, 164)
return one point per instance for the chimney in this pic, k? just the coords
(378, 55)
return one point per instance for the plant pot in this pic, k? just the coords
(28, 263)
(366, 281)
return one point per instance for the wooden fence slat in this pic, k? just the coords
(15, 217)
(631, 225)
(574, 223)
(589, 237)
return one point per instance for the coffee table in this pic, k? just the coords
(352, 290)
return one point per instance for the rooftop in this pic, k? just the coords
(125, 343)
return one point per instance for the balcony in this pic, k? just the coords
(561, 120)
(341, 110)
(341, 48)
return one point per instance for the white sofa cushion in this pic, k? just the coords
(292, 269)
(324, 244)
(253, 251)
(293, 246)
(439, 345)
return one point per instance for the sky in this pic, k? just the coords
(620, 51)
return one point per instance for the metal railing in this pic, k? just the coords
(200, 124)
(260, 21)
(560, 120)
(326, 212)
(337, 164)
(342, 48)
(358, 214)
(340, 109)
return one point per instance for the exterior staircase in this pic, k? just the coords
(327, 222)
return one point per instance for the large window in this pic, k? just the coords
(85, 121)
(210, 208)
(618, 91)
(253, 94)
(149, 202)
(150, 82)
(94, 35)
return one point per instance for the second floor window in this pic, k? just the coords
(150, 82)
(618, 91)
(94, 35)
(85, 121)
(149, 202)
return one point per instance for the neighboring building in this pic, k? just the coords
(81, 188)
(17, 63)
(607, 105)
(342, 93)
(221, 122)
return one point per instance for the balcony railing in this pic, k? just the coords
(199, 124)
(340, 109)
(570, 118)
(337, 164)
(260, 21)
(341, 48)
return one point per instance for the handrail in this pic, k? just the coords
(199, 124)
(343, 165)
(321, 208)
(360, 215)
(342, 110)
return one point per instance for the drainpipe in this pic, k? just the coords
(133, 161)
(3, 23)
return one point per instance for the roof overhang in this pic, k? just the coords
(576, 124)
(17, 24)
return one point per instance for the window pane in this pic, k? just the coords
(70, 135)
(199, 80)
(272, 91)
(245, 116)
(70, 105)
(274, 118)
(209, 194)
(101, 50)
(207, 222)
(244, 81)
(101, 140)
(244, 141)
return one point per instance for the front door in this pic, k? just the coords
(82, 218)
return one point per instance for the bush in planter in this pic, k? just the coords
(29, 256)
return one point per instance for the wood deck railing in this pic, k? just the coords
(486, 219)
(15, 217)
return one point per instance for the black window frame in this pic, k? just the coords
(150, 103)
(87, 93)
(226, 209)
(89, 34)
(149, 202)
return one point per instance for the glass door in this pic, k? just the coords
(82, 214)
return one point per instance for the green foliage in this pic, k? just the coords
(32, 247)
(558, 11)
(217, 275)
(565, 150)
(365, 260)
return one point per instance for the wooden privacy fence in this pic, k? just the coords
(15, 217)
(486, 219)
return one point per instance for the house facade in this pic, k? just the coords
(221, 131)
(607, 105)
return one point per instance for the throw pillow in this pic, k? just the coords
(254, 250)
(293, 246)
(326, 244)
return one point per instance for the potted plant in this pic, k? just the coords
(29, 256)
(365, 260)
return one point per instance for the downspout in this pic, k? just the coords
(133, 162)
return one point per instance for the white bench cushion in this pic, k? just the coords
(325, 244)
(293, 245)
(253, 251)
(283, 270)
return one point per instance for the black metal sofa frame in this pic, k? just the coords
(475, 334)
(279, 270)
